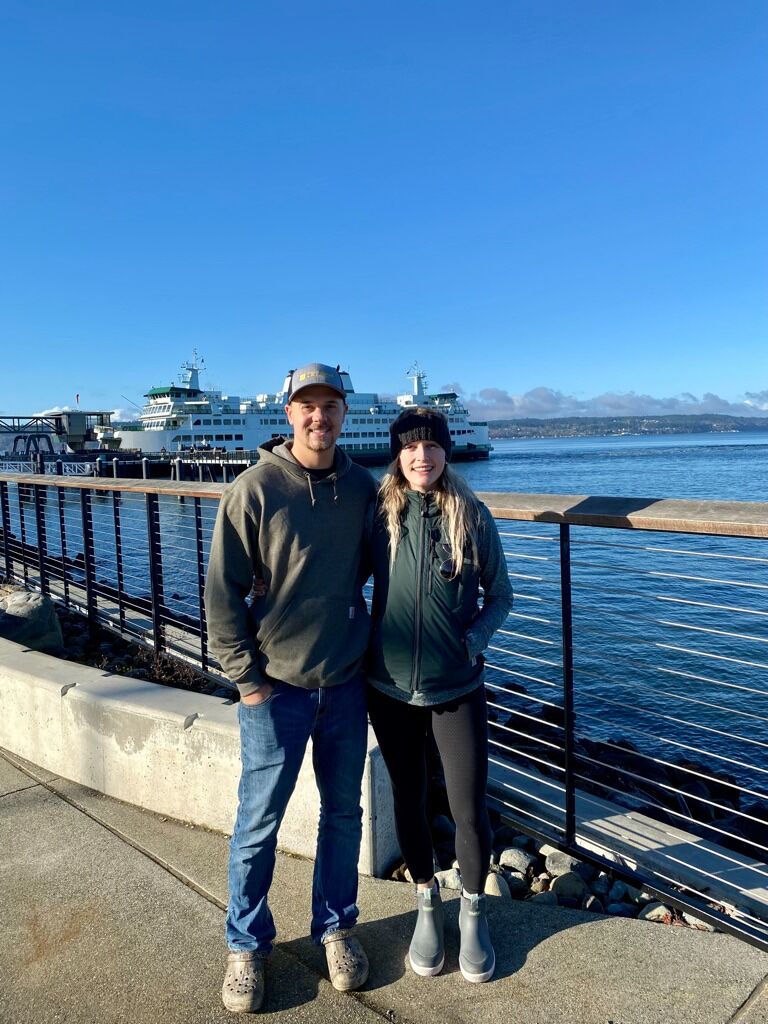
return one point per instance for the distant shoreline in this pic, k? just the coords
(605, 426)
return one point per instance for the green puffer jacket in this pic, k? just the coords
(428, 631)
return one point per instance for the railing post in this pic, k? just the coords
(86, 511)
(41, 496)
(5, 505)
(201, 584)
(22, 533)
(63, 541)
(116, 507)
(155, 569)
(566, 609)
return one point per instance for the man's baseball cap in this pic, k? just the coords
(314, 374)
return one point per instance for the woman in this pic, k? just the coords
(434, 545)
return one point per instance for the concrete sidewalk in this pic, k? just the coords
(113, 914)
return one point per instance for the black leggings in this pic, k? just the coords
(460, 728)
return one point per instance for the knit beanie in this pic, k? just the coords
(424, 425)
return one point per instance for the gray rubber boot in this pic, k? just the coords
(477, 959)
(427, 952)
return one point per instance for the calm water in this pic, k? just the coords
(725, 466)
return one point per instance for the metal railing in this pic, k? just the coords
(628, 690)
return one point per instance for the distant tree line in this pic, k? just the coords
(600, 426)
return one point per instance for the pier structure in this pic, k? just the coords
(612, 688)
(51, 433)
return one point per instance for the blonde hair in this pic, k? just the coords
(455, 501)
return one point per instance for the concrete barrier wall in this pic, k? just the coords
(170, 751)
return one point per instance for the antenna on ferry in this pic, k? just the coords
(419, 378)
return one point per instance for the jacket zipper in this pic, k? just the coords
(416, 670)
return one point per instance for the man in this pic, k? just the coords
(294, 647)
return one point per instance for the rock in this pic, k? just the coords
(518, 887)
(655, 912)
(621, 909)
(541, 884)
(30, 619)
(549, 898)
(618, 892)
(449, 879)
(558, 863)
(516, 859)
(696, 922)
(585, 870)
(398, 873)
(600, 885)
(569, 886)
(496, 885)
(593, 904)
(569, 901)
(545, 849)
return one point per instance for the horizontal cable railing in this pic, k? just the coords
(627, 691)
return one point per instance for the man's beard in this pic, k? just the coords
(320, 444)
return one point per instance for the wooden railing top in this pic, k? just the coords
(671, 515)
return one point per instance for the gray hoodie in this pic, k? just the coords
(305, 538)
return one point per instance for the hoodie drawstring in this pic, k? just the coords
(333, 479)
(311, 492)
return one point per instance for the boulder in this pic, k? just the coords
(697, 922)
(496, 885)
(30, 619)
(516, 859)
(601, 885)
(569, 886)
(594, 904)
(618, 892)
(621, 909)
(518, 887)
(558, 863)
(655, 912)
(549, 898)
(448, 879)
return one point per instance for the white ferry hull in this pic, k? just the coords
(183, 419)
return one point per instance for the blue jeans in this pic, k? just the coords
(273, 738)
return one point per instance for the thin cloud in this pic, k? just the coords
(546, 403)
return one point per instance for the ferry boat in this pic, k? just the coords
(182, 418)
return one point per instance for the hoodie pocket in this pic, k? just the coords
(315, 640)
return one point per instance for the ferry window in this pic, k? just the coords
(219, 437)
(206, 423)
(186, 437)
(195, 423)
(227, 437)
(227, 423)
(239, 437)
(217, 423)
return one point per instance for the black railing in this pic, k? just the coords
(628, 690)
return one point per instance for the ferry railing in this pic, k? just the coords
(627, 692)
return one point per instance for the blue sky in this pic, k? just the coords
(554, 206)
